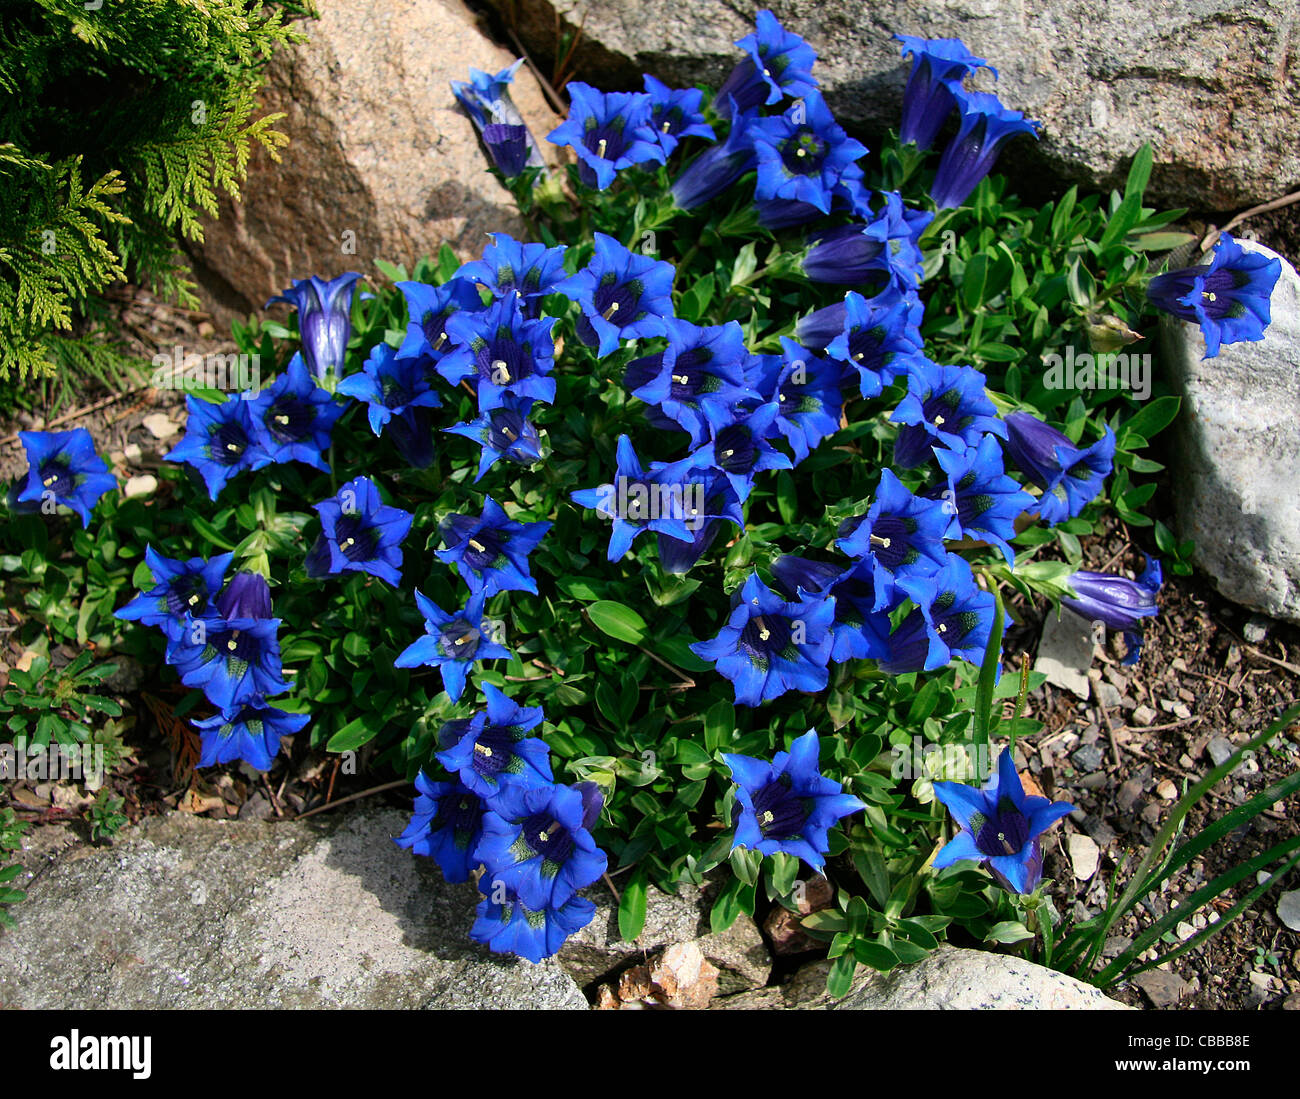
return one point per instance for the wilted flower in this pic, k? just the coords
(324, 321)
(1117, 601)
(64, 469)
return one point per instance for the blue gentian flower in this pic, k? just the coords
(981, 499)
(180, 588)
(806, 390)
(1070, 476)
(623, 295)
(503, 351)
(250, 731)
(939, 65)
(953, 617)
(1117, 601)
(511, 927)
(1000, 825)
(986, 125)
(779, 63)
(452, 642)
(1229, 297)
(294, 418)
(945, 406)
(859, 631)
(446, 825)
(427, 310)
(390, 386)
(64, 469)
(492, 751)
(879, 337)
(324, 321)
(221, 441)
(503, 432)
(677, 555)
(536, 846)
(901, 534)
(769, 646)
(508, 268)
(486, 99)
(609, 131)
(717, 168)
(741, 449)
(788, 805)
(359, 533)
(248, 595)
(881, 251)
(491, 551)
(675, 113)
(232, 659)
(801, 155)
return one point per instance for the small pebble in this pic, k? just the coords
(1166, 790)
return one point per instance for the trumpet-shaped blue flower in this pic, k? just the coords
(718, 167)
(609, 131)
(801, 155)
(250, 731)
(63, 468)
(779, 63)
(1118, 602)
(324, 321)
(806, 390)
(878, 337)
(858, 630)
(295, 417)
(452, 642)
(677, 555)
(881, 251)
(390, 386)
(231, 659)
(427, 310)
(788, 805)
(503, 432)
(986, 126)
(359, 533)
(939, 65)
(979, 496)
(675, 114)
(508, 926)
(1000, 825)
(945, 406)
(508, 268)
(492, 751)
(446, 826)
(742, 449)
(953, 617)
(248, 595)
(503, 351)
(491, 551)
(1069, 475)
(623, 296)
(486, 99)
(220, 442)
(179, 588)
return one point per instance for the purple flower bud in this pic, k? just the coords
(246, 596)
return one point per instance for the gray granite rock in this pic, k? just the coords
(188, 913)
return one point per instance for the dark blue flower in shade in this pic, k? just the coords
(1070, 476)
(221, 441)
(63, 468)
(675, 113)
(800, 576)
(452, 642)
(986, 125)
(698, 379)
(390, 386)
(359, 533)
(508, 926)
(324, 321)
(1117, 601)
(609, 131)
(717, 168)
(427, 310)
(939, 65)
(878, 337)
(492, 751)
(876, 253)
(953, 617)
(294, 418)
(779, 63)
(859, 631)
(486, 99)
(981, 499)
(945, 406)
(503, 432)
(623, 295)
(412, 431)
(1000, 825)
(491, 550)
(802, 154)
(508, 268)
(232, 659)
(901, 535)
(248, 595)
(535, 846)
(788, 805)
(250, 731)
(503, 351)
(721, 504)
(769, 646)
(179, 588)
(1229, 297)
(806, 390)
(742, 449)
(446, 825)
(667, 499)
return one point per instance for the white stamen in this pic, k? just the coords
(500, 369)
(476, 545)
(876, 540)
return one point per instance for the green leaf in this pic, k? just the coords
(631, 907)
(840, 978)
(1008, 931)
(1154, 417)
(617, 621)
(1139, 173)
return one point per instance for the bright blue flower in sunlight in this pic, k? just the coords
(939, 65)
(452, 642)
(446, 826)
(769, 646)
(981, 499)
(359, 533)
(294, 418)
(1000, 825)
(486, 99)
(678, 555)
(802, 154)
(945, 406)
(717, 168)
(250, 731)
(881, 251)
(507, 926)
(221, 441)
(609, 131)
(675, 113)
(953, 617)
(779, 63)
(492, 750)
(491, 550)
(986, 125)
(427, 310)
(180, 588)
(390, 386)
(232, 659)
(503, 351)
(537, 847)
(1069, 475)
(64, 469)
(623, 296)
(1230, 297)
(878, 337)
(788, 805)
(742, 449)
(503, 432)
(510, 269)
(324, 321)
(1118, 602)
(806, 390)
